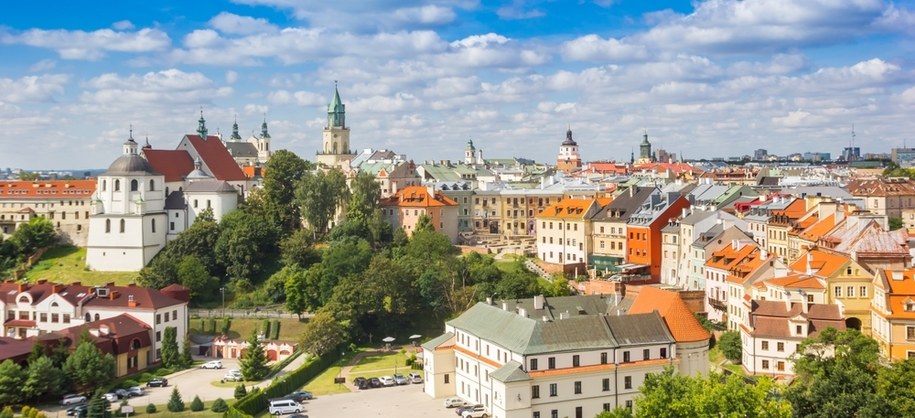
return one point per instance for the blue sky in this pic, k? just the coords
(710, 78)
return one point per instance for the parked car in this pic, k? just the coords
(469, 407)
(297, 416)
(359, 381)
(159, 382)
(400, 380)
(375, 382)
(300, 396)
(476, 411)
(215, 364)
(454, 402)
(135, 391)
(110, 397)
(72, 399)
(122, 393)
(386, 380)
(233, 375)
(283, 406)
(79, 411)
(415, 378)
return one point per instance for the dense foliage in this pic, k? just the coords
(25, 240)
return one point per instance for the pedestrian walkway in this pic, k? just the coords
(344, 372)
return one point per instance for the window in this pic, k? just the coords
(663, 352)
(765, 345)
(553, 390)
(174, 314)
(838, 291)
(158, 319)
(629, 405)
(158, 336)
(797, 329)
(44, 317)
(134, 185)
(55, 318)
(551, 363)
(578, 388)
(605, 384)
(153, 225)
(625, 357)
(809, 298)
(850, 292)
(104, 185)
(765, 364)
(107, 226)
(535, 392)
(862, 291)
(536, 414)
(575, 360)
(66, 318)
(533, 364)
(578, 412)
(780, 366)
(780, 346)
(123, 223)
(606, 407)
(117, 185)
(646, 354)
(195, 203)
(910, 333)
(627, 382)
(152, 185)
(171, 226)
(447, 377)
(554, 413)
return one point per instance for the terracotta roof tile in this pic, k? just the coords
(680, 320)
(417, 196)
(217, 158)
(576, 209)
(823, 263)
(173, 164)
(797, 281)
(45, 189)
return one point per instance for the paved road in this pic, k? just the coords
(397, 401)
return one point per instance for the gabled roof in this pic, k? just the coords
(624, 204)
(419, 197)
(510, 372)
(173, 164)
(680, 320)
(44, 189)
(210, 185)
(823, 263)
(216, 157)
(881, 187)
(797, 281)
(241, 149)
(900, 289)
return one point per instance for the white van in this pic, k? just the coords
(284, 406)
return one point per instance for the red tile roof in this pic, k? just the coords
(824, 264)
(144, 298)
(683, 325)
(173, 164)
(417, 197)
(57, 189)
(217, 158)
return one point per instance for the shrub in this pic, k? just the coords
(196, 404)
(276, 329)
(226, 325)
(265, 329)
(219, 405)
(164, 371)
(41, 415)
(729, 343)
(240, 391)
(7, 412)
(25, 410)
(175, 404)
(129, 383)
(34, 413)
(146, 376)
(150, 409)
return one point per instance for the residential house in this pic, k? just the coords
(893, 313)
(405, 207)
(743, 278)
(608, 246)
(885, 196)
(563, 236)
(718, 268)
(783, 214)
(643, 229)
(65, 203)
(848, 284)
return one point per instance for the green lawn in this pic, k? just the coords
(67, 264)
(324, 384)
(381, 364)
(290, 328)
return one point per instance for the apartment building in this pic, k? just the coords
(66, 203)
(405, 207)
(643, 229)
(893, 313)
(608, 240)
(564, 232)
(884, 196)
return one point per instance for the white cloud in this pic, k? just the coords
(798, 118)
(231, 77)
(427, 15)
(122, 25)
(82, 45)
(41, 88)
(234, 24)
(43, 65)
(594, 48)
(519, 9)
(372, 15)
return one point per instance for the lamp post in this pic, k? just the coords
(223, 291)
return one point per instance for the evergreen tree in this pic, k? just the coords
(98, 406)
(151, 409)
(12, 378)
(254, 360)
(240, 391)
(186, 358)
(196, 404)
(175, 404)
(43, 379)
(170, 355)
(219, 405)
(88, 368)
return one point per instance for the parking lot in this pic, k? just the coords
(397, 401)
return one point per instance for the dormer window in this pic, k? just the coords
(910, 306)
(23, 299)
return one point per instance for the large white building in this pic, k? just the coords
(569, 356)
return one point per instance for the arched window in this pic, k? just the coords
(54, 304)
(134, 185)
(104, 185)
(107, 226)
(153, 224)
(135, 344)
(152, 185)
(117, 185)
(96, 317)
(122, 226)
(23, 299)
(88, 317)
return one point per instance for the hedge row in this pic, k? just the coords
(254, 403)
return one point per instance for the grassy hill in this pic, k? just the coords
(67, 264)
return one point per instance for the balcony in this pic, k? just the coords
(718, 304)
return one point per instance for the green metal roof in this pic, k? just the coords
(437, 341)
(510, 372)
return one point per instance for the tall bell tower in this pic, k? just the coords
(335, 149)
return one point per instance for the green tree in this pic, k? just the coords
(424, 224)
(171, 357)
(151, 409)
(12, 379)
(175, 403)
(42, 379)
(220, 405)
(895, 223)
(197, 241)
(98, 406)
(836, 375)
(196, 404)
(37, 233)
(87, 367)
(730, 346)
(245, 241)
(240, 391)
(670, 394)
(618, 412)
(28, 175)
(283, 173)
(896, 384)
(319, 194)
(193, 275)
(518, 284)
(37, 352)
(8, 255)
(295, 289)
(254, 360)
(186, 358)
(298, 249)
(321, 334)
(7, 412)
(364, 199)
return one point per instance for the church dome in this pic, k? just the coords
(129, 164)
(569, 141)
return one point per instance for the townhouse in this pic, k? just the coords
(893, 313)
(744, 276)
(718, 268)
(564, 232)
(66, 203)
(884, 196)
(847, 284)
(608, 240)
(405, 207)
(643, 229)
(783, 213)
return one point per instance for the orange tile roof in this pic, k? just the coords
(802, 281)
(680, 320)
(823, 263)
(44, 189)
(417, 197)
(900, 292)
(823, 226)
(727, 257)
(568, 209)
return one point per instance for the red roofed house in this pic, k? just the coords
(405, 207)
(64, 202)
(692, 339)
(893, 313)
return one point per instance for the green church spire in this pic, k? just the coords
(202, 125)
(264, 133)
(235, 136)
(336, 111)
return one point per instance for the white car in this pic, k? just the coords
(110, 397)
(386, 380)
(478, 411)
(215, 364)
(233, 375)
(135, 391)
(72, 399)
(454, 403)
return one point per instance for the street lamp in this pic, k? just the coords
(223, 291)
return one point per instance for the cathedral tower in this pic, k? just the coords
(335, 149)
(568, 159)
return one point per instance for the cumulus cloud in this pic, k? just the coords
(519, 9)
(32, 88)
(594, 48)
(43, 65)
(372, 15)
(798, 118)
(122, 25)
(82, 45)
(231, 23)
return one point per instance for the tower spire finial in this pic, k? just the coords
(131, 131)
(202, 126)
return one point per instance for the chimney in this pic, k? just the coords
(684, 212)
(809, 266)
(489, 300)
(763, 254)
(131, 302)
(522, 312)
(76, 284)
(42, 281)
(805, 307)
(539, 302)
(112, 295)
(22, 287)
(631, 191)
(57, 287)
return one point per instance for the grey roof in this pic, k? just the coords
(510, 372)
(624, 205)
(175, 200)
(437, 341)
(639, 329)
(671, 228)
(129, 164)
(571, 305)
(213, 186)
(241, 149)
(697, 216)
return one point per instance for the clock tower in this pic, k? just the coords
(335, 149)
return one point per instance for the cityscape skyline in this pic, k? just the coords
(421, 78)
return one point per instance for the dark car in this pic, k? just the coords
(79, 411)
(375, 382)
(297, 416)
(159, 382)
(359, 381)
(300, 396)
(460, 411)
